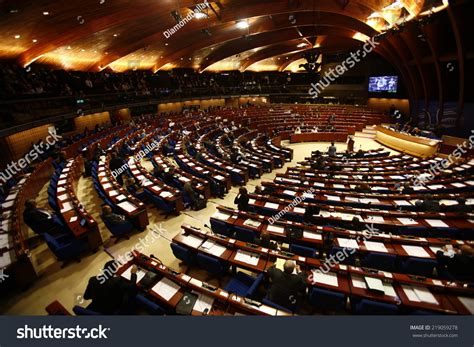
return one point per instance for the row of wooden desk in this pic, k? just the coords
(409, 292)
(171, 287)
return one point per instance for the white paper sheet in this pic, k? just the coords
(415, 251)
(329, 279)
(247, 257)
(276, 229)
(436, 223)
(348, 243)
(375, 246)
(166, 288)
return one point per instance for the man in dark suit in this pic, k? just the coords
(112, 218)
(39, 220)
(235, 156)
(287, 288)
(460, 207)
(117, 165)
(112, 294)
(428, 204)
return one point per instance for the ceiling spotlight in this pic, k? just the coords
(292, 19)
(35, 40)
(200, 15)
(45, 13)
(301, 45)
(243, 24)
(17, 37)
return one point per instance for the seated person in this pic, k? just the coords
(193, 195)
(265, 241)
(235, 156)
(458, 261)
(298, 130)
(40, 220)
(130, 184)
(407, 189)
(356, 224)
(242, 199)
(168, 176)
(286, 286)
(460, 207)
(359, 154)
(428, 204)
(363, 188)
(112, 294)
(332, 150)
(111, 218)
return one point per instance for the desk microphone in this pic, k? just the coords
(153, 257)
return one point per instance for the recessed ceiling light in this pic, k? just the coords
(115, 35)
(45, 13)
(68, 47)
(35, 40)
(166, 44)
(200, 15)
(82, 50)
(243, 24)
(17, 37)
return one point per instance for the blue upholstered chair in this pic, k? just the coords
(418, 266)
(380, 261)
(184, 254)
(120, 230)
(244, 234)
(303, 251)
(244, 285)
(370, 307)
(82, 311)
(326, 299)
(65, 247)
(150, 306)
(213, 266)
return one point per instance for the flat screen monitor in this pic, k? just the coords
(379, 84)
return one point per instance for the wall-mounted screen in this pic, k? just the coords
(383, 84)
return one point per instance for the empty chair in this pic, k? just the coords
(349, 260)
(303, 251)
(150, 306)
(244, 285)
(244, 234)
(418, 266)
(220, 227)
(371, 307)
(326, 299)
(83, 311)
(213, 266)
(118, 230)
(268, 302)
(65, 247)
(184, 254)
(380, 261)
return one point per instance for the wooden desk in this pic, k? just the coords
(415, 145)
(318, 137)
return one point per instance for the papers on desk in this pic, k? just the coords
(458, 185)
(61, 182)
(127, 206)
(4, 241)
(113, 193)
(416, 251)
(436, 186)
(310, 235)
(289, 192)
(251, 201)
(121, 197)
(375, 246)
(252, 223)
(338, 186)
(318, 184)
(276, 229)
(166, 288)
(220, 215)
(192, 241)
(332, 197)
(329, 279)
(165, 194)
(369, 201)
(213, 248)
(374, 219)
(308, 195)
(67, 206)
(61, 189)
(128, 274)
(63, 197)
(72, 219)
(107, 185)
(436, 223)
(347, 243)
(247, 257)
(299, 210)
(407, 221)
(402, 203)
(203, 302)
(362, 282)
(271, 205)
(419, 294)
(468, 303)
(6, 259)
(8, 204)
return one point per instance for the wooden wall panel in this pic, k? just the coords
(91, 120)
(20, 142)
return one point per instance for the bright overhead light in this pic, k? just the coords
(17, 37)
(45, 13)
(200, 15)
(301, 45)
(35, 40)
(243, 24)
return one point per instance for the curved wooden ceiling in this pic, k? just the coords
(124, 34)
